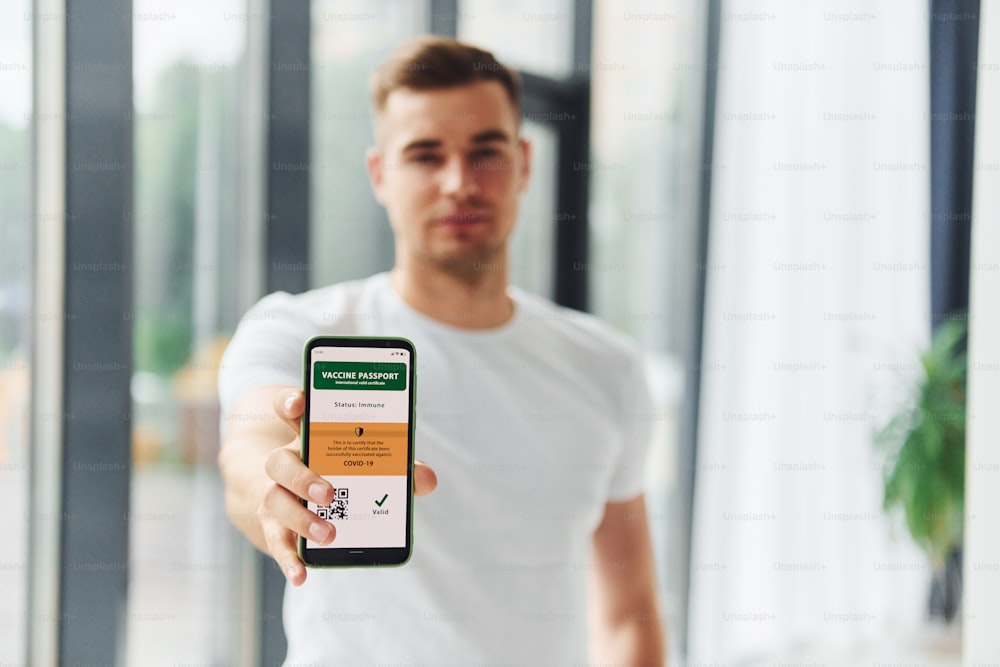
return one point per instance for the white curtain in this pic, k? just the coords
(982, 458)
(817, 308)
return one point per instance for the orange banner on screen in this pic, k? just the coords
(357, 449)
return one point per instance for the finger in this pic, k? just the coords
(284, 466)
(281, 545)
(283, 507)
(289, 406)
(424, 479)
(282, 520)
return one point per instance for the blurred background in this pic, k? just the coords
(776, 200)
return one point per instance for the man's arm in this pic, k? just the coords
(264, 477)
(624, 616)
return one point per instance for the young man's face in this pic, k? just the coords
(449, 168)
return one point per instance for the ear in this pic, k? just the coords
(376, 175)
(525, 176)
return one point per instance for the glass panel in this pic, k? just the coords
(531, 247)
(190, 97)
(15, 323)
(645, 128)
(350, 235)
(537, 36)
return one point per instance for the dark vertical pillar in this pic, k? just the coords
(288, 161)
(443, 19)
(954, 43)
(573, 178)
(688, 454)
(96, 461)
(954, 46)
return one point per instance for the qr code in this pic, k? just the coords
(337, 509)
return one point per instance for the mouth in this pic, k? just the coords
(462, 219)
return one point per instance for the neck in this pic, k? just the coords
(475, 300)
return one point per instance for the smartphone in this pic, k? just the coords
(357, 433)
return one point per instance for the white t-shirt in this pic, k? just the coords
(531, 428)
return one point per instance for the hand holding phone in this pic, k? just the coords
(357, 433)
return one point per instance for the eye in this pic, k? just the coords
(486, 154)
(487, 159)
(425, 158)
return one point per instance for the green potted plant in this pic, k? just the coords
(925, 471)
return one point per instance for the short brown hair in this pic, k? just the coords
(431, 62)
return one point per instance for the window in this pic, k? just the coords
(533, 36)
(350, 235)
(645, 130)
(531, 250)
(16, 323)
(191, 228)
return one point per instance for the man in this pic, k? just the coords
(530, 414)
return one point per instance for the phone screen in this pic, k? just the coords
(357, 433)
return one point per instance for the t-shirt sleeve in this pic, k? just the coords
(265, 349)
(628, 478)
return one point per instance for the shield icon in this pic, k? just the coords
(358, 431)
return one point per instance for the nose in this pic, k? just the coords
(458, 178)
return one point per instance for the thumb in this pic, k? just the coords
(289, 406)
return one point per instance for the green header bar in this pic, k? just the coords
(377, 376)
